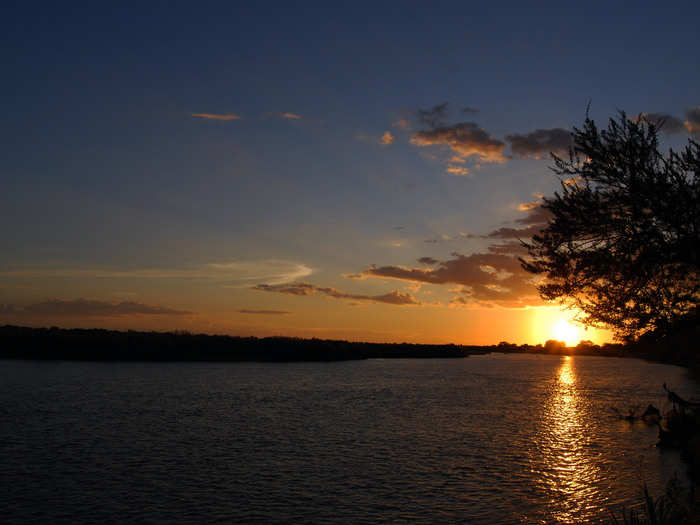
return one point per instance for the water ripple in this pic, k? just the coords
(490, 439)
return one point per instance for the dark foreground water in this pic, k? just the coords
(488, 439)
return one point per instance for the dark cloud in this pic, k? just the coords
(399, 227)
(540, 143)
(264, 312)
(512, 233)
(467, 110)
(666, 123)
(89, 308)
(508, 248)
(537, 216)
(434, 116)
(465, 139)
(427, 260)
(482, 278)
(300, 288)
(535, 220)
(692, 124)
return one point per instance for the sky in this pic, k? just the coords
(359, 171)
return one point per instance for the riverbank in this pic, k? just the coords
(18, 342)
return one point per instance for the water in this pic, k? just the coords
(488, 439)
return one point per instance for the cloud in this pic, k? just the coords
(270, 271)
(483, 278)
(693, 122)
(535, 220)
(401, 124)
(457, 170)
(212, 116)
(467, 110)
(512, 233)
(466, 139)
(433, 117)
(508, 248)
(527, 206)
(287, 115)
(428, 260)
(387, 138)
(304, 289)
(89, 308)
(264, 312)
(540, 143)
(537, 216)
(666, 123)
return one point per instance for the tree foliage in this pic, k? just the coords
(623, 239)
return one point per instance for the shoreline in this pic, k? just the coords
(17, 342)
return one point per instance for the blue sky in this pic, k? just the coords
(105, 168)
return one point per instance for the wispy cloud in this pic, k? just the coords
(285, 115)
(395, 297)
(401, 124)
(264, 312)
(212, 116)
(270, 271)
(88, 308)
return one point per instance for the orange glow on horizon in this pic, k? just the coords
(555, 323)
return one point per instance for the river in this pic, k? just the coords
(497, 438)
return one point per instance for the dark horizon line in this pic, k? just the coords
(98, 344)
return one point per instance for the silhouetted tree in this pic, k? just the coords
(623, 239)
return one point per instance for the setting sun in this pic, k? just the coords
(563, 330)
(555, 323)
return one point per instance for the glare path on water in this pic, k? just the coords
(567, 471)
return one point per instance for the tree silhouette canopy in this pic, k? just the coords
(623, 238)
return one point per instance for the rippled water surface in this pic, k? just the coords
(488, 439)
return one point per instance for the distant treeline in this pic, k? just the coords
(110, 345)
(560, 348)
(18, 342)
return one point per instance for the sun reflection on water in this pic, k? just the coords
(568, 471)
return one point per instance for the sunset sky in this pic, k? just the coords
(304, 169)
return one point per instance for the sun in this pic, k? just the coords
(563, 330)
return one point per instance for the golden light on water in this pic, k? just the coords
(566, 375)
(568, 472)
